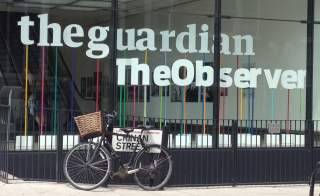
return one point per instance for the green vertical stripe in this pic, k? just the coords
(144, 104)
(120, 116)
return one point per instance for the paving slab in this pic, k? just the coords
(22, 188)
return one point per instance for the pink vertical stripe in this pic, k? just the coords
(42, 91)
(97, 84)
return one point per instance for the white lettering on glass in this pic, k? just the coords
(183, 72)
(193, 39)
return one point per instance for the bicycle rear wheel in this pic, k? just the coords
(155, 167)
(85, 172)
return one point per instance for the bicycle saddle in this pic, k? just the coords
(127, 130)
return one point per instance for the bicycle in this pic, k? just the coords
(88, 165)
(313, 176)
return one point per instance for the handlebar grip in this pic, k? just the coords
(114, 114)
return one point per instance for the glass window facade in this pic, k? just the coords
(157, 59)
(279, 45)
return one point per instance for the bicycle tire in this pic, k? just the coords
(105, 158)
(137, 165)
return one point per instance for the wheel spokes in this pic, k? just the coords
(97, 168)
(154, 168)
(81, 173)
(99, 162)
(161, 161)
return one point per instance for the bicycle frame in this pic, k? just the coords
(104, 142)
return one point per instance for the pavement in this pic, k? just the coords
(22, 188)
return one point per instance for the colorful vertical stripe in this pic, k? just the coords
(122, 104)
(125, 101)
(120, 107)
(161, 102)
(73, 73)
(288, 112)
(167, 87)
(301, 101)
(145, 92)
(237, 63)
(42, 91)
(204, 109)
(26, 91)
(241, 99)
(184, 104)
(181, 90)
(134, 106)
(165, 104)
(97, 84)
(273, 101)
(252, 109)
(249, 97)
(222, 94)
(55, 102)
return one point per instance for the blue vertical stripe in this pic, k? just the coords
(73, 72)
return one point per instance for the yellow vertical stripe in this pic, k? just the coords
(26, 91)
(184, 100)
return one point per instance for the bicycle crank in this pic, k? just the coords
(133, 171)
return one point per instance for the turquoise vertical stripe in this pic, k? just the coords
(166, 88)
(125, 105)
(165, 104)
(202, 97)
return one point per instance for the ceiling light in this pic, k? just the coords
(124, 1)
(32, 5)
(59, 2)
(77, 8)
(99, 4)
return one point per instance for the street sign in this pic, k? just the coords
(128, 143)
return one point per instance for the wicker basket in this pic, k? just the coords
(89, 125)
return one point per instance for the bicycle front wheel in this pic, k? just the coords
(85, 169)
(154, 164)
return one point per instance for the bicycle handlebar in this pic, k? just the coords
(114, 114)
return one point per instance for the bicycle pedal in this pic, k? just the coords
(115, 174)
